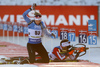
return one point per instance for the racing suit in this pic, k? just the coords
(56, 55)
(34, 42)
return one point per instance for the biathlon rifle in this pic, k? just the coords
(78, 50)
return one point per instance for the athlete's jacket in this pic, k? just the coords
(35, 31)
(55, 54)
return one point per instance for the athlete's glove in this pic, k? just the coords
(33, 6)
(67, 54)
(53, 35)
(71, 52)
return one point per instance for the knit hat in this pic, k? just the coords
(64, 44)
(64, 41)
(37, 14)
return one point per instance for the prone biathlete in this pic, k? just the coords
(63, 51)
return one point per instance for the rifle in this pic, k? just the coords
(78, 50)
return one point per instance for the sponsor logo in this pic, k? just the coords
(50, 20)
(92, 26)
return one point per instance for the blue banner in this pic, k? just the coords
(4, 26)
(71, 36)
(92, 25)
(15, 28)
(10, 27)
(20, 29)
(25, 30)
(55, 32)
(1, 26)
(92, 40)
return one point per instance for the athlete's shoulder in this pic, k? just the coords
(56, 48)
(32, 21)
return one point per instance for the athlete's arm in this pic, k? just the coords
(25, 15)
(58, 55)
(46, 30)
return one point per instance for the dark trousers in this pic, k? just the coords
(32, 48)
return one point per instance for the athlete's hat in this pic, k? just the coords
(37, 15)
(65, 43)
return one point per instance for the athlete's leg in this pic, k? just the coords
(43, 53)
(31, 52)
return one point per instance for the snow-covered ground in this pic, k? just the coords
(18, 65)
(93, 54)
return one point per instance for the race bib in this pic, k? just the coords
(34, 33)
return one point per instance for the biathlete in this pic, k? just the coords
(35, 29)
(63, 51)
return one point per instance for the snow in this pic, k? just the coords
(93, 54)
(2, 56)
(14, 65)
(18, 65)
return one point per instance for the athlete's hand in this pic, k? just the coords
(67, 54)
(33, 6)
(71, 52)
(53, 35)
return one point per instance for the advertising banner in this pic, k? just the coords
(75, 17)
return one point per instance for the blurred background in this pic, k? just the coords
(51, 2)
(13, 28)
(11, 13)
